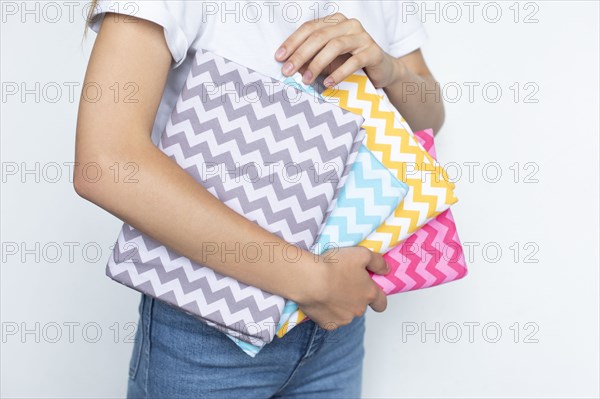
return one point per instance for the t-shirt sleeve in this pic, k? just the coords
(405, 29)
(174, 16)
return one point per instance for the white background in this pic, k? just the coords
(553, 221)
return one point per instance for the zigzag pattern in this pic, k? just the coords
(278, 162)
(394, 144)
(139, 261)
(368, 198)
(430, 192)
(307, 138)
(431, 256)
(443, 183)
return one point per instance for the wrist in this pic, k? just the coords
(399, 72)
(308, 279)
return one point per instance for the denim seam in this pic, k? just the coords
(138, 346)
(148, 316)
(320, 340)
(300, 362)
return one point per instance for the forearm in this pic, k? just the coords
(170, 206)
(417, 97)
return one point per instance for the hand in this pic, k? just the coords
(340, 288)
(337, 46)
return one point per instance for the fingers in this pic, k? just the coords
(379, 304)
(357, 61)
(324, 58)
(291, 44)
(313, 38)
(377, 264)
(329, 326)
(303, 32)
(310, 46)
(289, 49)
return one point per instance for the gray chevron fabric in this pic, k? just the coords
(274, 154)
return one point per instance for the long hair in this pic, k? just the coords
(92, 7)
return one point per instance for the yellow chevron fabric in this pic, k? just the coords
(393, 143)
(430, 192)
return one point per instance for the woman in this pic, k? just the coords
(139, 63)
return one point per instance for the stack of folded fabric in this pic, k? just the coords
(433, 255)
(387, 193)
(419, 239)
(236, 133)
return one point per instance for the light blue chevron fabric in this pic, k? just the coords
(296, 81)
(369, 196)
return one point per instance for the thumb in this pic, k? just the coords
(380, 302)
(377, 264)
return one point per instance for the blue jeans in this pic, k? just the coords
(177, 356)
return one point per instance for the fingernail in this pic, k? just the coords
(328, 82)
(280, 53)
(287, 68)
(307, 77)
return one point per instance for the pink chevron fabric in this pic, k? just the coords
(431, 256)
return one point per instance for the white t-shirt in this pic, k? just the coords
(249, 32)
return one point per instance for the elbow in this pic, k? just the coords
(440, 120)
(81, 186)
(102, 164)
(89, 156)
(92, 172)
(84, 183)
(101, 167)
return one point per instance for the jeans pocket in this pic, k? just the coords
(141, 336)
